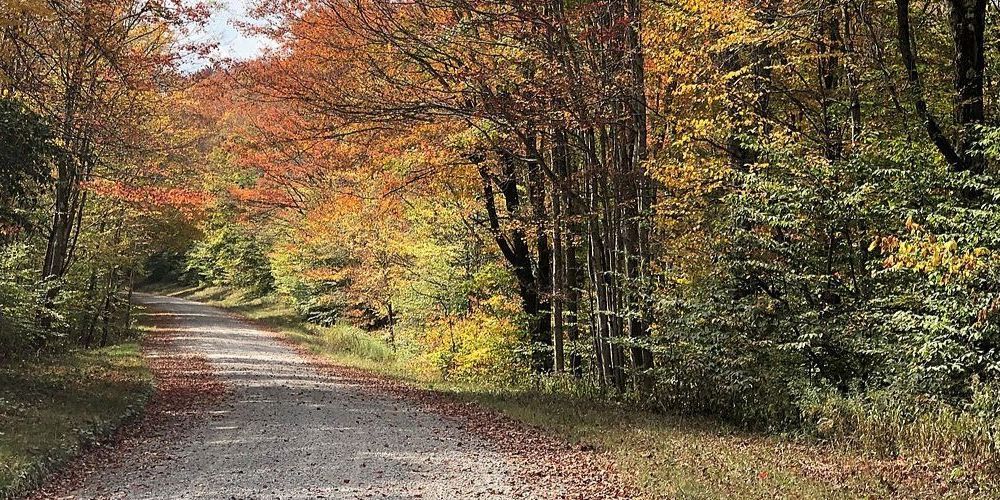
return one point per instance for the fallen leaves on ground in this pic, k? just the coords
(185, 388)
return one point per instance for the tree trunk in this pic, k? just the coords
(127, 322)
(392, 324)
(63, 217)
(514, 247)
(968, 24)
(87, 323)
(108, 307)
(542, 357)
(559, 282)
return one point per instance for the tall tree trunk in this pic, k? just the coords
(968, 24)
(559, 281)
(572, 285)
(127, 320)
(542, 357)
(87, 323)
(515, 249)
(67, 204)
(391, 313)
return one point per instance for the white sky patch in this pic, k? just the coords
(231, 40)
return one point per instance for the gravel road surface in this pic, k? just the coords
(285, 430)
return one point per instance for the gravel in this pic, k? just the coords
(288, 430)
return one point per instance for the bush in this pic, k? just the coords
(480, 348)
(20, 300)
(893, 422)
(230, 255)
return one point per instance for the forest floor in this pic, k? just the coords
(53, 409)
(662, 456)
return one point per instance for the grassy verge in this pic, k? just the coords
(51, 410)
(667, 456)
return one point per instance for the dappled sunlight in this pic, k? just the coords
(705, 248)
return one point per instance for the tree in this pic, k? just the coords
(26, 150)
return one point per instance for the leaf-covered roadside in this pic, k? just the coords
(52, 409)
(184, 388)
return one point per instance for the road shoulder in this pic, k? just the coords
(185, 388)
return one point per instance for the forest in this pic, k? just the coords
(780, 215)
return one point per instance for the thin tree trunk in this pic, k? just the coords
(127, 323)
(392, 325)
(108, 307)
(543, 340)
(558, 251)
(87, 322)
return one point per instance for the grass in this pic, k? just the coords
(668, 456)
(671, 456)
(52, 409)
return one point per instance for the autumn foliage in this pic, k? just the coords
(778, 213)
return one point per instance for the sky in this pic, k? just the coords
(232, 43)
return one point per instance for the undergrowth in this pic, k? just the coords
(52, 409)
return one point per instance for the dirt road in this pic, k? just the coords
(288, 430)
